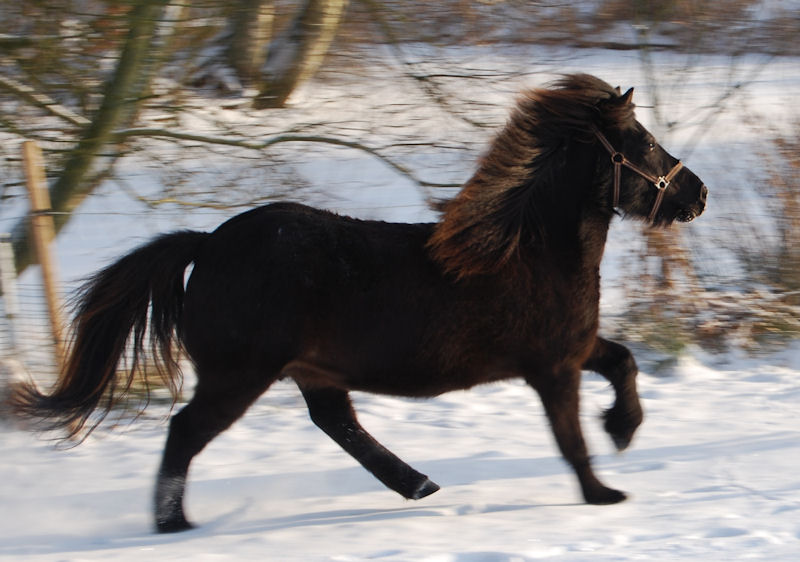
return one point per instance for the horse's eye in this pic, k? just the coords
(651, 146)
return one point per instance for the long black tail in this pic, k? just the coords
(111, 317)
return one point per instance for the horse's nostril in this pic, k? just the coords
(703, 193)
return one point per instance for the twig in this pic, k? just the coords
(264, 144)
(42, 101)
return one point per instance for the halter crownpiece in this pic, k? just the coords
(661, 182)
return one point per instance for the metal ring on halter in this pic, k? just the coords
(662, 183)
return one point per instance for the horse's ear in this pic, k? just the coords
(618, 90)
(627, 97)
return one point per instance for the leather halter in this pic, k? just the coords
(661, 182)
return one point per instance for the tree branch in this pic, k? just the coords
(13, 42)
(424, 80)
(264, 144)
(42, 101)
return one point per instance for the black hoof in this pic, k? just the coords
(621, 442)
(174, 525)
(621, 427)
(604, 496)
(425, 489)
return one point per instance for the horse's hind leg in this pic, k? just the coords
(331, 410)
(210, 412)
(559, 392)
(615, 362)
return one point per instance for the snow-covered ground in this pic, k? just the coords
(712, 474)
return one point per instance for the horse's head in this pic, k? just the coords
(566, 152)
(645, 180)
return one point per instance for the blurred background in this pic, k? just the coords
(159, 115)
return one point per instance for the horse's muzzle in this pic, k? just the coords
(691, 213)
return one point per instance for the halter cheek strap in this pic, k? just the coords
(661, 182)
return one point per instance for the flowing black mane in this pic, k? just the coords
(519, 186)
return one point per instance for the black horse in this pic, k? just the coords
(505, 285)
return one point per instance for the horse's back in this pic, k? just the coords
(285, 281)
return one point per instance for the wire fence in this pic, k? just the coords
(25, 333)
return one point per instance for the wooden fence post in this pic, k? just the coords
(43, 232)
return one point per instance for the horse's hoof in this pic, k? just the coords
(621, 427)
(604, 496)
(621, 442)
(174, 525)
(425, 489)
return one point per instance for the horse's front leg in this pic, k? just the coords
(559, 391)
(331, 410)
(616, 363)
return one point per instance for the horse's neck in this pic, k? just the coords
(575, 249)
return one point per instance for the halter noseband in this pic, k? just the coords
(661, 182)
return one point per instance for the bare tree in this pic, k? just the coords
(150, 23)
(297, 53)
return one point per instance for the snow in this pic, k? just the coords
(712, 473)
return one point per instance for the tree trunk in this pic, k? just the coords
(251, 27)
(149, 24)
(297, 53)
